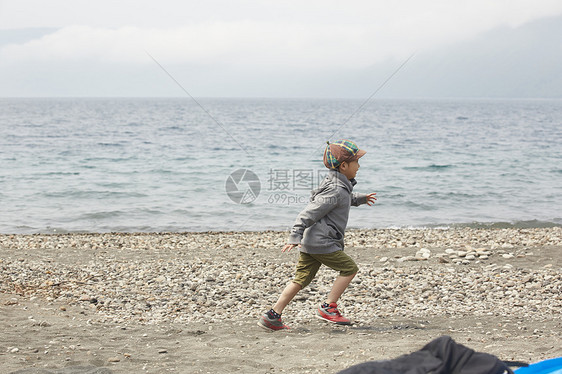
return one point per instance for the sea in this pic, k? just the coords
(232, 164)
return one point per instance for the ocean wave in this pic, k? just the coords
(108, 159)
(418, 206)
(57, 173)
(432, 167)
(78, 194)
(101, 215)
(120, 144)
(529, 224)
(177, 227)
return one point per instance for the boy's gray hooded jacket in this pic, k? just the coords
(320, 227)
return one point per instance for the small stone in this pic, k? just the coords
(407, 258)
(526, 279)
(114, 359)
(423, 253)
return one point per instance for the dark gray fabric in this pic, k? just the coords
(441, 356)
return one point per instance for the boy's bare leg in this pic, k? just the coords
(286, 296)
(340, 284)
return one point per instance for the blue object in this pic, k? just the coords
(552, 366)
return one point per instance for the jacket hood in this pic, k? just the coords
(333, 180)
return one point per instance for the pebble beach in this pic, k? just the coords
(189, 302)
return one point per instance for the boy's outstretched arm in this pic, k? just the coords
(360, 198)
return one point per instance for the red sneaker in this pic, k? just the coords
(331, 313)
(271, 323)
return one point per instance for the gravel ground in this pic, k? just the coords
(189, 302)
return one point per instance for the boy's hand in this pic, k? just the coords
(288, 247)
(371, 198)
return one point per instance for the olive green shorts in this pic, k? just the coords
(308, 265)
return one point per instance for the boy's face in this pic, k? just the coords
(349, 169)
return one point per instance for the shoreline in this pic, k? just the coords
(514, 224)
(266, 239)
(189, 302)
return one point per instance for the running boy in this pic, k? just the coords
(319, 231)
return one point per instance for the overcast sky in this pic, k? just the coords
(98, 48)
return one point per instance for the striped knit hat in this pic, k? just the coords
(340, 151)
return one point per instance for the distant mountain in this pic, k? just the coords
(20, 36)
(521, 62)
